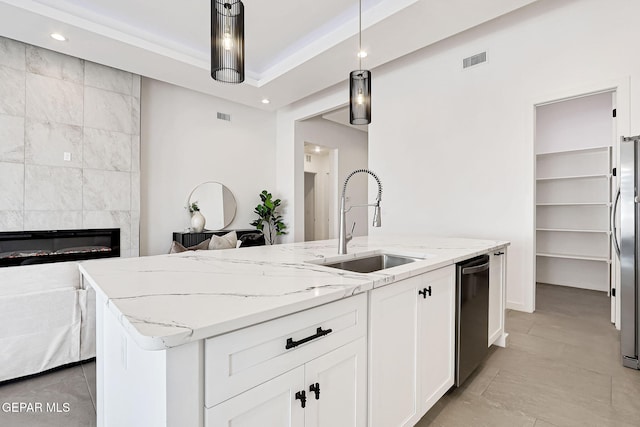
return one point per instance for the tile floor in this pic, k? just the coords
(75, 386)
(561, 368)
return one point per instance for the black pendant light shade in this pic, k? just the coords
(360, 97)
(227, 41)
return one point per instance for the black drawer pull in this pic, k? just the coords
(499, 253)
(302, 395)
(425, 291)
(319, 333)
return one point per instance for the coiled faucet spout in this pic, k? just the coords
(377, 222)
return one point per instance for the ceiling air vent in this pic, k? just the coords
(223, 116)
(474, 60)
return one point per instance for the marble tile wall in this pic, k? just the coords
(51, 104)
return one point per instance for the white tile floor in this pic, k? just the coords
(561, 368)
(73, 386)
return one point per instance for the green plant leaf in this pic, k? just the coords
(269, 219)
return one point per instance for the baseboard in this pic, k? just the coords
(518, 307)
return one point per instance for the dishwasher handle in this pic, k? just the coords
(475, 269)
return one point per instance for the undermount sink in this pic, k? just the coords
(371, 263)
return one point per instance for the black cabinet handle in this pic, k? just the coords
(302, 396)
(315, 388)
(499, 253)
(425, 291)
(319, 333)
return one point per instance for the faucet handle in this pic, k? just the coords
(349, 236)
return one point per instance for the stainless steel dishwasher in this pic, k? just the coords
(472, 315)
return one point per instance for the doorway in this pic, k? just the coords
(574, 185)
(332, 150)
(319, 169)
(309, 206)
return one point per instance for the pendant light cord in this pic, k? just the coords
(360, 34)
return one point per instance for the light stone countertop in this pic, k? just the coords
(165, 301)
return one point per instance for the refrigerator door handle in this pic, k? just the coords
(614, 211)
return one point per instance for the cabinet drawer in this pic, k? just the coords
(239, 360)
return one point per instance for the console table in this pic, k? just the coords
(187, 239)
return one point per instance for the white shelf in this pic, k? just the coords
(558, 178)
(575, 204)
(573, 272)
(578, 151)
(574, 163)
(570, 230)
(579, 257)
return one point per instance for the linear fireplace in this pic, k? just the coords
(40, 247)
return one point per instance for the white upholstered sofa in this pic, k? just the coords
(47, 318)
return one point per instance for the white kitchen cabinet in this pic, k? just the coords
(341, 377)
(411, 335)
(245, 358)
(261, 375)
(332, 389)
(270, 404)
(172, 387)
(497, 276)
(392, 343)
(436, 339)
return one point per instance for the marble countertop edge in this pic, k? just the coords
(318, 284)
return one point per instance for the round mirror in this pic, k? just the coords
(216, 203)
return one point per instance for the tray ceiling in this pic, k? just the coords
(294, 48)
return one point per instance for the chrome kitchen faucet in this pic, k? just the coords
(344, 238)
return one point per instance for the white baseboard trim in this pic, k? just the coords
(518, 307)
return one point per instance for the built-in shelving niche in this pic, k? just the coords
(573, 205)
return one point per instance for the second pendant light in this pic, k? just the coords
(360, 85)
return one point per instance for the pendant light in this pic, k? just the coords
(227, 41)
(360, 85)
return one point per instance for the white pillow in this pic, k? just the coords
(227, 241)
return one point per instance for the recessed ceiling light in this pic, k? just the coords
(362, 54)
(58, 36)
(265, 101)
(317, 149)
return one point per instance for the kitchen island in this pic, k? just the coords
(251, 334)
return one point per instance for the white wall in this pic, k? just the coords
(352, 154)
(471, 132)
(184, 144)
(454, 149)
(574, 124)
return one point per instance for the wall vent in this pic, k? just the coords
(474, 60)
(223, 116)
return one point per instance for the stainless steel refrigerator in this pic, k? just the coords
(627, 201)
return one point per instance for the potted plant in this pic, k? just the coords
(269, 220)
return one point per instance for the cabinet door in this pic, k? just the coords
(496, 295)
(270, 404)
(436, 332)
(392, 358)
(341, 378)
